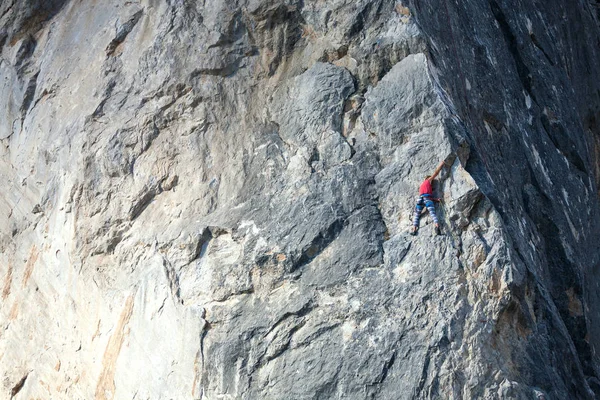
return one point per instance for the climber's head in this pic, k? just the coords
(427, 177)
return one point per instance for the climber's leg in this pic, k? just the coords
(431, 207)
(417, 216)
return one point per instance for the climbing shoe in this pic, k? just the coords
(438, 231)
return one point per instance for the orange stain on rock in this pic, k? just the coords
(33, 256)
(400, 9)
(196, 373)
(7, 282)
(14, 311)
(105, 390)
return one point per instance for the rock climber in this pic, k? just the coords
(426, 199)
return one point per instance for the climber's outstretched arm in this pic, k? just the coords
(437, 171)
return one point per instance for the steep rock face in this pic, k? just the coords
(212, 200)
(537, 112)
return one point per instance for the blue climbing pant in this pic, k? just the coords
(424, 201)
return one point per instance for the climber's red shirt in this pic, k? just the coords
(425, 187)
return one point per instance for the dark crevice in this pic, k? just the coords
(113, 241)
(306, 308)
(142, 203)
(319, 332)
(286, 345)
(319, 243)
(314, 157)
(541, 48)
(493, 121)
(29, 94)
(122, 33)
(513, 47)
(25, 51)
(225, 71)
(562, 142)
(18, 386)
(369, 10)
(31, 17)
(386, 369)
(241, 292)
(235, 30)
(108, 91)
(8, 8)
(204, 377)
(202, 245)
(423, 378)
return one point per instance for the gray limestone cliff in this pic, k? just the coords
(213, 199)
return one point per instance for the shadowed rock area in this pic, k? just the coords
(213, 199)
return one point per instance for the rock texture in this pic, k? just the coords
(212, 199)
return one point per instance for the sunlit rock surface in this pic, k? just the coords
(212, 199)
